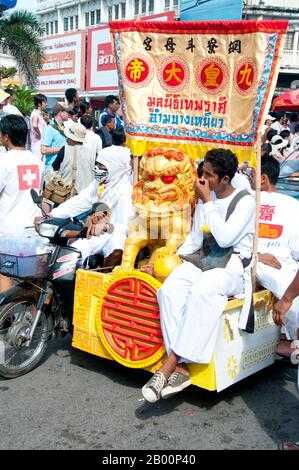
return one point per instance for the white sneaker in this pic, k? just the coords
(152, 389)
(176, 383)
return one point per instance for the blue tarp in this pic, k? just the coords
(6, 4)
(205, 10)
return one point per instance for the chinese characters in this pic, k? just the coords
(234, 47)
(267, 212)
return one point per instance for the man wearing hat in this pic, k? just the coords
(78, 162)
(3, 98)
(53, 137)
(9, 107)
(268, 122)
(112, 187)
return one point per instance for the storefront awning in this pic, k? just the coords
(288, 101)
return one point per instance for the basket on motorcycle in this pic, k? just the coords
(34, 266)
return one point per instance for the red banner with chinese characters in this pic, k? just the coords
(196, 85)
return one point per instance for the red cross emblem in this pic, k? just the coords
(28, 177)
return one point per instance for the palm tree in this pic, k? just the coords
(21, 32)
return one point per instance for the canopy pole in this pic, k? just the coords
(257, 214)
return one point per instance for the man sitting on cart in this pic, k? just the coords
(112, 188)
(192, 300)
(278, 247)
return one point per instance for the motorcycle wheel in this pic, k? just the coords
(16, 359)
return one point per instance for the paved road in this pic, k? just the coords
(74, 400)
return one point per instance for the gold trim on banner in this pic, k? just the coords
(196, 152)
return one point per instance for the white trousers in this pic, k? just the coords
(191, 303)
(277, 281)
(103, 244)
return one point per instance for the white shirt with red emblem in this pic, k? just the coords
(279, 222)
(20, 171)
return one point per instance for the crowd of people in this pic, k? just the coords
(193, 297)
(280, 135)
(70, 145)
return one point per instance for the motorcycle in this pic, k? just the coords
(40, 305)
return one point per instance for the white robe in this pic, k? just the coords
(277, 281)
(191, 301)
(279, 236)
(122, 211)
(117, 195)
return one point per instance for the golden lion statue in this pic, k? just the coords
(164, 200)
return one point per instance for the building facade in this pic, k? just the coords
(69, 17)
(280, 10)
(61, 17)
(64, 16)
(6, 60)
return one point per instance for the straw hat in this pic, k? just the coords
(3, 96)
(76, 132)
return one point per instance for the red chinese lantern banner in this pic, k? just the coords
(196, 85)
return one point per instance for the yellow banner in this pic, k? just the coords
(196, 85)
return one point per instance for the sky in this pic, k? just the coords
(26, 5)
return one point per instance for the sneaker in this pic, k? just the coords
(289, 445)
(176, 383)
(152, 389)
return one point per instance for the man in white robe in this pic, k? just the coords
(278, 246)
(113, 188)
(191, 300)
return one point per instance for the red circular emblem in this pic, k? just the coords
(138, 71)
(212, 75)
(173, 73)
(245, 75)
(130, 320)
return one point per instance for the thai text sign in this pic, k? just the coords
(196, 84)
(64, 63)
(101, 69)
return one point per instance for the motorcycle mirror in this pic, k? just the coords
(35, 197)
